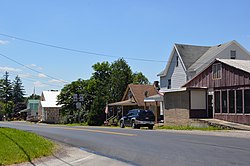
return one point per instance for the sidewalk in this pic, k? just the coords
(72, 156)
(231, 125)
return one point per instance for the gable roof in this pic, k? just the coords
(243, 65)
(50, 99)
(138, 92)
(190, 53)
(193, 57)
(209, 56)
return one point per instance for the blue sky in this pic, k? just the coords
(122, 28)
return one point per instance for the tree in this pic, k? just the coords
(34, 97)
(69, 106)
(99, 85)
(139, 78)
(121, 76)
(6, 88)
(18, 91)
(1, 89)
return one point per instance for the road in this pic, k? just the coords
(147, 147)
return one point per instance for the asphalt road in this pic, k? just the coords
(146, 147)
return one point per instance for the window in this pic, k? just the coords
(231, 102)
(169, 83)
(224, 101)
(239, 101)
(217, 101)
(177, 61)
(246, 101)
(233, 54)
(216, 69)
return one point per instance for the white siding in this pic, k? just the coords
(163, 82)
(226, 54)
(177, 74)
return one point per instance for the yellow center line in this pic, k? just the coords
(100, 131)
(80, 129)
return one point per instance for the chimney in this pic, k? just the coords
(156, 85)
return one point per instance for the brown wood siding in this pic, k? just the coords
(231, 77)
(243, 118)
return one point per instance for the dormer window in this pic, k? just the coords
(233, 54)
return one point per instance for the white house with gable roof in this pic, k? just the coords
(185, 62)
(49, 110)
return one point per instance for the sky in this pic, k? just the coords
(142, 32)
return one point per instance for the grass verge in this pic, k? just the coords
(18, 146)
(209, 128)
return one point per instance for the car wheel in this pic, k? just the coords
(122, 124)
(133, 125)
(151, 127)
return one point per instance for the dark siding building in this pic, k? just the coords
(228, 83)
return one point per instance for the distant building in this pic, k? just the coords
(31, 112)
(134, 98)
(48, 110)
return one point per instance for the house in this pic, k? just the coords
(31, 111)
(134, 98)
(49, 110)
(185, 62)
(32, 106)
(227, 90)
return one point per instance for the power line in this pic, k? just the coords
(32, 80)
(79, 51)
(31, 68)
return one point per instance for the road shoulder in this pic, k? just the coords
(66, 155)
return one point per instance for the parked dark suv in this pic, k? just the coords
(137, 118)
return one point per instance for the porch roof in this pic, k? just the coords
(154, 98)
(123, 103)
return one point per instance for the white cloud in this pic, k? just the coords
(57, 81)
(39, 84)
(9, 69)
(41, 75)
(34, 66)
(2, 42)
(26, 75)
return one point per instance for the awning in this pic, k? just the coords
(24, 110)
(123, 103)
(154, 98)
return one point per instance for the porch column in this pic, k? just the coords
(156, 112)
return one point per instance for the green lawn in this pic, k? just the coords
(18, 146)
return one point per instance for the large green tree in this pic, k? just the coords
(121, 76)
(99, 85)
(18, 90)
(79, 88)
(139, 78)
(107, 84)
(6, 87)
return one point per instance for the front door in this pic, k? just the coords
(210, 106)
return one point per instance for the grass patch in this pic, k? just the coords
(209, 128)
(18, 146)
